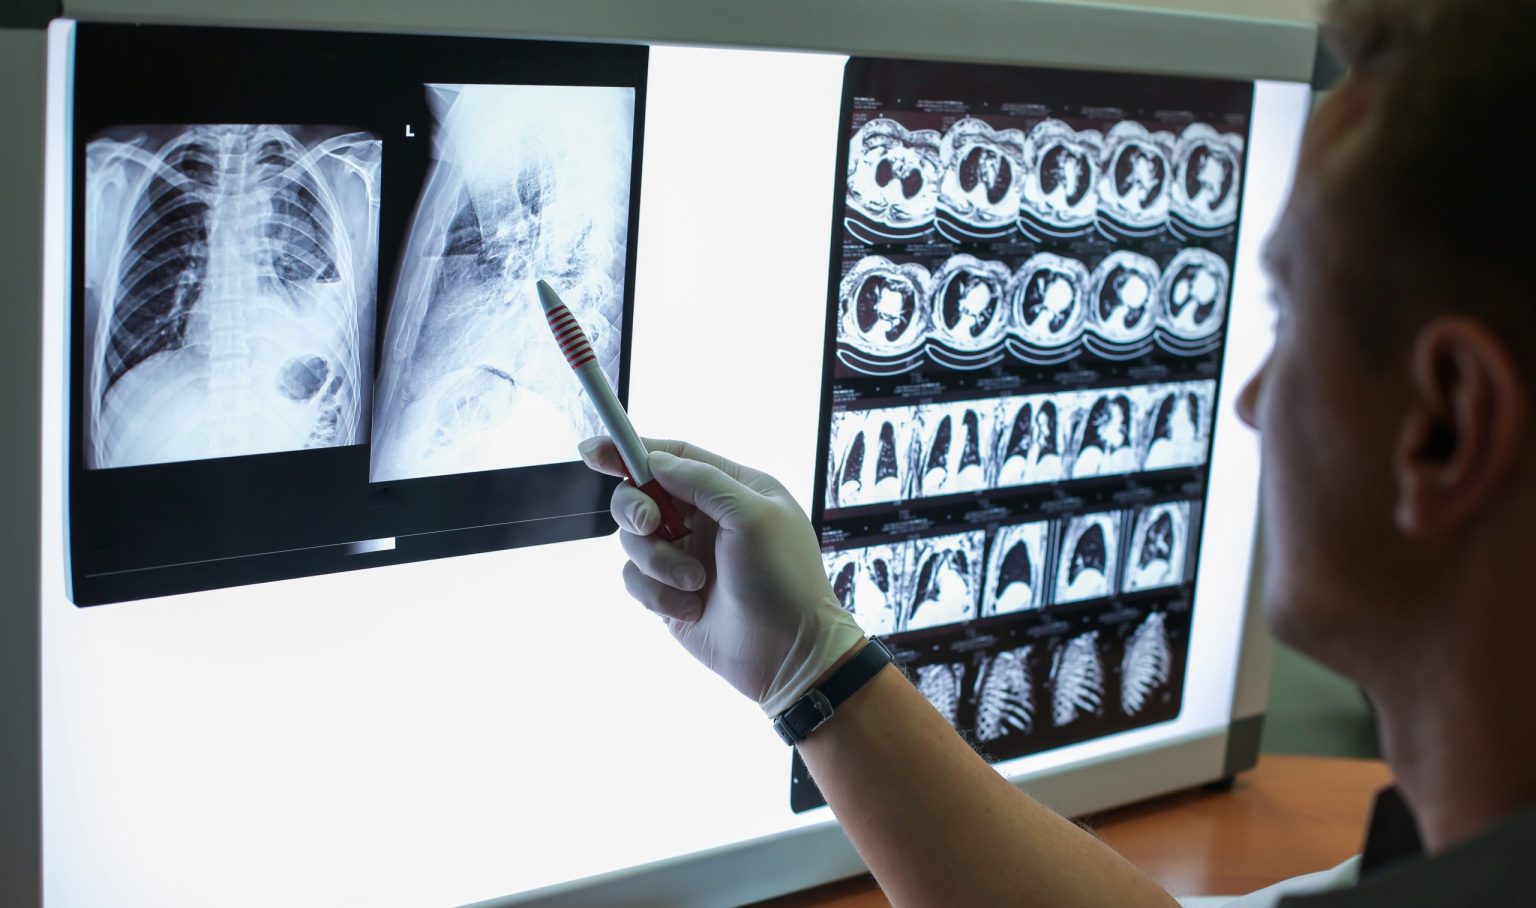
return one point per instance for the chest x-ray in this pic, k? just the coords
(946, 580)
(968, 309)
(869, 582)
(1176, 424)
(1146, 664)
(1158, 545)
(870, 456)
(1016, 569)
(230, 275)
(1133, 188)
(1193, 294)
(528, 182)
(1090, 546)
(942, 686)
(1104, 432)
(1049, 297)
(955, 447)
(883, 307)
(1005, 696)
(1124, 308)
(1077, 679)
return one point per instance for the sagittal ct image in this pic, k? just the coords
(942, 686)
(1146, 665)
(1017, 577)
(945, 580)
(1158, 544)
(1005, 696)
(1077, 679)
(230, 285)
(1090, 545)
(871, 583)
(529, 182)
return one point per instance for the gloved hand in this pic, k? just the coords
(746, 592)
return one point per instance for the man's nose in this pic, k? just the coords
(1248, 398)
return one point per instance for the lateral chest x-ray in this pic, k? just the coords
(1026, 319)
(311, 348)
(528, 182)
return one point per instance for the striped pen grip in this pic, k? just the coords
(568, 334)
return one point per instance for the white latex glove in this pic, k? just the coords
(745, 592)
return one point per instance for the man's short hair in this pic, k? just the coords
(1439, 194)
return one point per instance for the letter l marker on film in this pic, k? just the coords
(578, 352)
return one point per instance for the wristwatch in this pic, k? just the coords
(807, 714)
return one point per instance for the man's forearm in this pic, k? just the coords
(938, 826)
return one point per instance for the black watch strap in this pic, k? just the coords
(806, 714)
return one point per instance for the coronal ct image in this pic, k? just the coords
(1062, 166)
(1146, 665)
(1176, 424)
(941, 686)
(1104, 427)
(893, 179)
(946, 579)
(1029, 439)
(1133, 188)
(1207, 177)
(1193, 292)
(968, 310)
(980, 188)
(230, 290)
(955, 449)
(527, 182)
(1005, 698)
(883, 307)
(1049, 296)
(1077, 679)
(1159, 544)
(869, 582)
(1017, 574)
(1124, 288)
(871, 454)
(1089, 548)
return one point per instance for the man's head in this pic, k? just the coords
(1395, 406)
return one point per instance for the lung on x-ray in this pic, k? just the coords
(1158, 546)
(946, 580)
(871, 583)
(954, 447)
(1104, 432)
(1176, 423)
(1207, 175)
(1133, 188)
(1017, 573)
(1193, 294)
(980, 190)
(230, 275)
(1090, 546)
(1062, 163)
(1029, 432)
(892, 181)
(869, 456)
(1124, 307)
(529, 182)
(883, 307)
(1049, 298)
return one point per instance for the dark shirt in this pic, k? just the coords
(1495, 867)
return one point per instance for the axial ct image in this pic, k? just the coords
(528, 182)
(230, 290)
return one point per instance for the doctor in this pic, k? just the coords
(1398, 414)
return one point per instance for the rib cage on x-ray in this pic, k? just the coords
(1146, 665)
(1077, 679)
(1005, 696)
(941, 685)
(892, 180)
(528, 182)
(230, 288)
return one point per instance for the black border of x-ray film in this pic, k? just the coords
(144, 531)
(864, 77)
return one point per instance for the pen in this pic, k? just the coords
(578, 352)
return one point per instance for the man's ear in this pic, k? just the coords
(1462, 427)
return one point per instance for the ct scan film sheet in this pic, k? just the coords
(1025, 320)
(304, 333)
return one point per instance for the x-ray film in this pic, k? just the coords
(941, 685)
(870, 456)
(1017, 573)
(1193, 295)
(1176, 424)
(1005, 695)
(529, 182)
(230, 275)
(1029, 433)
(983, 177)
(1090, 547)
(1062, 164)
(1123, 308)
(1207, 178)
(1158, 546)
(946, 580)
(1146, 665)
(893, 181)
(968, 309)
(1104, 432)
(955, 448)
(1049, 301)
(871, 583)
(1077, 679)
(884, 311)
(1133, 186)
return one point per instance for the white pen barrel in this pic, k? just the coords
(631, 449)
